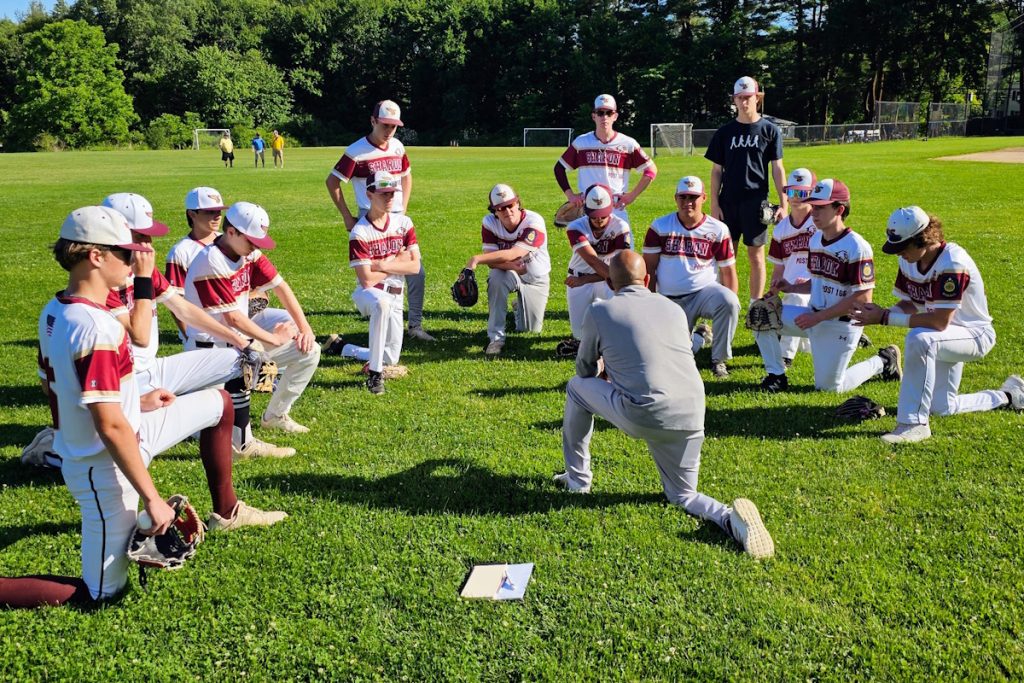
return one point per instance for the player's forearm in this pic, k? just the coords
(406, 191)
(843, 306)
(938, 319)
(779, 176)
(561, 177)
(248, 328)
(798, 287)
(652, 261)
(191, 315)
(497, 258)
(139, 322)
(644, 182)
(338, 197)
(599, 266)
(727, 276)
(716, 185)
(291, 304)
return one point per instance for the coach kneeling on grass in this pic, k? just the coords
(653, 392)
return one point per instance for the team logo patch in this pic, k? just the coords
(531, 236)
(950, 286)
(867, 271)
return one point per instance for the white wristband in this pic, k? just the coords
(899, 319)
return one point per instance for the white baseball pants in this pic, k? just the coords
(722, 307)
(791, 345)
(531, 301)
(579, 300)
(296, 368)
(190, 371)
(385, 313)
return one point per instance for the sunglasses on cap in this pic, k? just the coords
(794, 193)
(604, 112)
(383, 186)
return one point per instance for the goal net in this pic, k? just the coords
(547, 137)
(672, 139)
(207, 138)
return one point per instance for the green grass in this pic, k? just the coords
(891, 563)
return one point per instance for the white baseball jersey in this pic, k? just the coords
(179, 259)
(790, 246)
(688, 255)
(531, 234)
(217, 284)
(839, 268)
(84, 357)
(121, 301)
(952, 281)
(363, 158)
(615, 237)
(606, 163)
(367, 243)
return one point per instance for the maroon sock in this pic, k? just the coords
(215, 450)
(42, 590)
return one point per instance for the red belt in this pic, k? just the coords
(397, 291)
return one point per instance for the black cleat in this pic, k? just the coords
(375, 382)
(891, 369)
(773, 384)
(864, 341)
(333, 345)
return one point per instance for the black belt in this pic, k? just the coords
(204, 345)
(679, 296)
(390, 289)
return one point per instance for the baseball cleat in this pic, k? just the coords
(788, 362)
(864, 341)
(243, 515)
(719, 370)
(375, 382)
(494, 348)
(419, 333)
(892, 371)
(40, 452)
(283, 422)
(704, 330)
(333, 345)
(1014, 388)
(907, 434)
(389, 371)
(749, 531)
(773, 384)
(257, 448)
(562, 481)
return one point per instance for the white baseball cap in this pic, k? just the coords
(745, 86)
(690, 184)
(99, 225)
(204, 199)
(598, 201)
(138, 211)
(502, 195)
(904, 224)
(252, 221)
(800, 179)
(605, 102)
(387, 111)
(382, 182)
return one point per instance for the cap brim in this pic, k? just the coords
(599, 213)
(393, 122)
(206, 208)
(155, 230)
(819, 202)
(894, 248)
(502, 205)
(688, 193)
(383, 190)
(134, 247)
(260, 242)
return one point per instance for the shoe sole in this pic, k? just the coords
(759, 543)
(894, 440)
(897, 374)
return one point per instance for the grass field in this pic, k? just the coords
(891, 563)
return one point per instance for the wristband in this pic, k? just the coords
(143, 288)
(899, 319)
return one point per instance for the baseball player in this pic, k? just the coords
(605, 157)
(594, 239)
(515, 248)
(653, 392)
(941, 299)
(741, 152)
(219, 281)
(203, 210)
(682, 250)
(842, 271)
(107, 433)
(380, 151)
(383, 250)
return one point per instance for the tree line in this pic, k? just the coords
(118, 72)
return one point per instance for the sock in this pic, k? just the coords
(215, 450)
(240, 399)
(42, 590)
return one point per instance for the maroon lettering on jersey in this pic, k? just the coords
(604, 157)
(827, 266)
(799, 242)
(918, 292)
(687, 246)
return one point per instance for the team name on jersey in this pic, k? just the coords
(684, 245)
(390, 164)
(799, 242)
(383, 248)
(603, 157)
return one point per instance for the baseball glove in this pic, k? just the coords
(257, 304)
(567, 348)
(858, 409)
(172, 548)
(258, 371)
(765, 314)
(567, 213)
(465, 291)
(767, 214)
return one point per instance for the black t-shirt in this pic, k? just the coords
(744, 151)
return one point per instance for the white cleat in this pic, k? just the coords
(283, 422)
(908, 434)
(494, 349)
(244, 515)
(562, 481)
(1014, 387)
(749, 531)
(257, 448)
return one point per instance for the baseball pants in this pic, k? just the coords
(296, 368)
(190, 371)
(108, 502)
(531, 301)
(385, 313)
(721, 305)
(832, 345)
(791, 345)
(933, 364)
(676, 453)
(579, 300)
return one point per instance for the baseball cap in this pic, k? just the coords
(598, 202)
(387, 111)
(827, 191)
(205, 199)
(99, 225)
(800, 179)
(745, 86)
(382, 182)
(904, 224)
(690, 184)
(138, 211)
(502, 195)
(252, 221)
(605, 102)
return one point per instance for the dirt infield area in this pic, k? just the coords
(1010, 155)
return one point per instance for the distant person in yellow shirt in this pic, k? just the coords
(277, 147)
(227, 150)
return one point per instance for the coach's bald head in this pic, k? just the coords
(627, 268)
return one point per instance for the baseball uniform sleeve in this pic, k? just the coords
(162, 289)
(652, 241)
(532, 239)
(773, 151)
(861, 274)
(639, 161)
(176, 270)
(409, 240)
(902, 288)
(725, 256)
(358, 251)
(98, 365)
(570, 157)
(345, 168)
(776, 253)
(948, 288)
(120, 301)
(264, 276)
(577, 240)
(488, 239)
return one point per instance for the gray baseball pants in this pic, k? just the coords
(723, 308)
(531, 301)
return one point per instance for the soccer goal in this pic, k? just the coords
(547, 137)
(671, 139)
(207, 138)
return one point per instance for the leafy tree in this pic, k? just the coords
(169, 131)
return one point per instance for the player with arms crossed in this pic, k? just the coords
(842, 270)
(605, 157)
(942, 300)
(380, 151)
(107, 434)
(515, 248)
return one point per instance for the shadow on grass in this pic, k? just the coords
(14, 474)
(517, 391)
(25, 343)
(16, 434)
(778, 422)
(22, 395)
(9, 535)
(446, 485)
